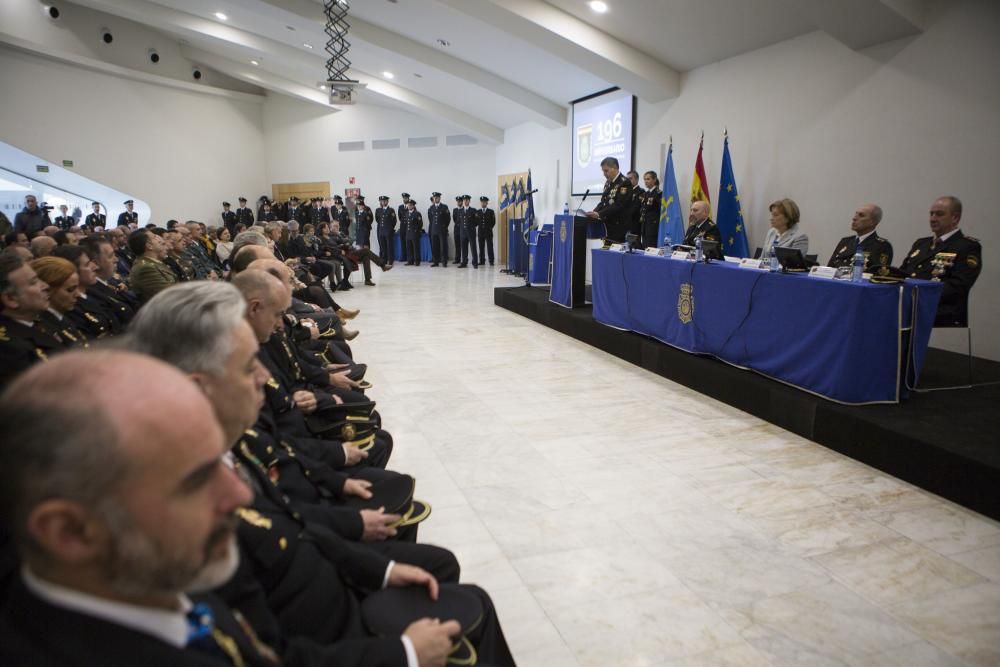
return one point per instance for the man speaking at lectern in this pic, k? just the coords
(615, 207)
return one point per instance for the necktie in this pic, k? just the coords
(205, 637)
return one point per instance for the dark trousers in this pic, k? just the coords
(367, 258)
(486, 245)
(650, 230)
(458, 243)
(365, 237)
(469, 242)
(413, 249)
(439, 247)
(385, 248)
(402, 247)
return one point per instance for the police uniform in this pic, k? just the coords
(414, 228)
(877, 252)
(635, 222)
(385, 229)
(64, 221)
(458, 217)
(615, 207)
(956, 262)
(649, 216)
(402, 214)
(470, 223)
(487, 221)
(706, 229)
(343, 217)
(128, 218)
(438, 218)
(96, 220)
(228, 217)
(244, 215)
(363, 214)
(63, 328)
(22, 345)
(90, 317)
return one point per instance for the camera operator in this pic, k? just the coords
(33, 218)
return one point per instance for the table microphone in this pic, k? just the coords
(580, 207)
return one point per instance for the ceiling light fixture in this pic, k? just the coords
(307, 45)
(254, 62)
(598, 6)
(322, 86)
(443, 42)
(221, 16)
(290, 27)
(389, 75)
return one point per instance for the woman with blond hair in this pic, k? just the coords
(784, 231)
(64, 290)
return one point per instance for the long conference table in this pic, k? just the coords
(850, 342)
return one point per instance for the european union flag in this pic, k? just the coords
(732, 227)
(529, 217)
(520, 191)
(504, 197)
(671, 218)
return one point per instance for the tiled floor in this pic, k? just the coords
(619, 519)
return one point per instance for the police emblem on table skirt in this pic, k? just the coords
(685, 303)
(562, 232)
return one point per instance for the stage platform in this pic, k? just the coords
(945, 442)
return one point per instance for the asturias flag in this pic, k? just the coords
(699, 182)
(732, 228)
(671, 218)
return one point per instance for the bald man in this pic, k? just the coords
(877, 251)
(118, 516)
(700, 224)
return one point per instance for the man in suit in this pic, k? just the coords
(385, 226)
(244, 216)
(949, 257)
(365, 218)
(877, 251)
(438, 218)
(96, 219)
(64, 220)
(402, 212)
(615, 207)
(228, 217)
(458, 217)
(128, 216)
(414, 230)
(23, 297)
(487, 221)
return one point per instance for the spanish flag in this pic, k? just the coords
(698, 191)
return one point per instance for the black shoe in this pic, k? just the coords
(409, 263)
(435, 264)
(491, 263)
(445, 265)
(369, 283)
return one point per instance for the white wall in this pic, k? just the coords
(833, 128)
(181, 152)
(301, 144)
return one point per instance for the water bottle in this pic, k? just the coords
(697, 249)
(667, 243)
(857, 272)
(566, 208)
(774, 255)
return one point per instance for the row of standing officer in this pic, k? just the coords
(473, 230)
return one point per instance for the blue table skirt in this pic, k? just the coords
(425, 247)
(849, 342)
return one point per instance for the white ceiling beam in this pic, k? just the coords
(54, 53)
(246, 72)
(860, 24)
(193, 27)
(544, 111)
(577, 42)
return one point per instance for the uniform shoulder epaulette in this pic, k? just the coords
(974, 239)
